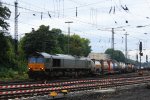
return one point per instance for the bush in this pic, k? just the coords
(10, 74)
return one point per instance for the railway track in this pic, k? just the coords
(61, 79)
(31, 89)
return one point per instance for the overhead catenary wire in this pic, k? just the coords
(46, 13)
(68, 17)
(38, 12)
(79, 20)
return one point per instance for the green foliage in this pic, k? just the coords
(10, 74)
(131, 61)
(4, 15)
(79, 46)
(3, 48)
(63, 43)
(116, 55)
(85, 46)
(6, 73)
(5, 45)
(53, 42)
(11, 66)
(21, 60)
(41, 40)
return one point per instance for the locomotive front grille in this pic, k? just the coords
(36, 67)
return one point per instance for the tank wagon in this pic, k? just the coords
(43, 64)
(106, 64)
(109, 66)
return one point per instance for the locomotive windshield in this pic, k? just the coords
(40, 60)
(32, 60)
(36, 60)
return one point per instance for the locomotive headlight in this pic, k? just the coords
(29, 68)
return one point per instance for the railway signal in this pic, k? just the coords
(141, 54)
(140, 47)
(146, 58)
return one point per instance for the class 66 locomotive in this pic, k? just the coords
(44, 65)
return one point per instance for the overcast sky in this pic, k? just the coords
(94, 20)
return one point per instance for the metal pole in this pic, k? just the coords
(16, 27)
(112, 40)
(140, 61)
(126, 48)
(69, 34)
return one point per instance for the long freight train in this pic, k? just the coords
(42, 65)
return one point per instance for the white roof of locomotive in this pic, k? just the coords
(61, 56)
(45, 55)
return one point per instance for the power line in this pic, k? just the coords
(46, 13)
(79, 20)
(95, 3)
(54, 12)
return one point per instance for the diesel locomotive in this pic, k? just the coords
(43, 65)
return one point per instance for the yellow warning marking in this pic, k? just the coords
(64, 91)
(53, 94)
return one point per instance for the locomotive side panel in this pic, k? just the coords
(81, 64)
(68, 63)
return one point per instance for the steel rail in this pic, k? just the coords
(41, 89)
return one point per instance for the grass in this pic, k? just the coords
(9, 74)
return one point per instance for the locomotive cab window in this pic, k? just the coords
(40, 60)
(56, 62)
(32, 60)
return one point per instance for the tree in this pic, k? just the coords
(79, 46)
(63, 43)
(85, 46)
(3, 48)
(75, 45)
(110, 52)
(54, 42)
(41, 40)
(60, 41)
(4, 15)
(116, 55)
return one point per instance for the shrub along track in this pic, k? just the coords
(21, 89)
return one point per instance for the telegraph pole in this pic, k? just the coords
(112, 39)
(69, 33)
(16, 27)
(126, 48)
